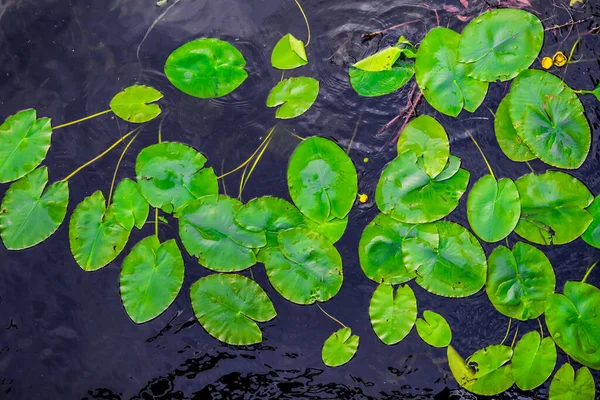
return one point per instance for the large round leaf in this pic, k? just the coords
(208, 231)
(322, 179)
(305, 267)
(228, 307)
(135, 104)
(434, 329)
(131, 208)
(289, 53)
(500, 43)
(455, 268)
(592, 233)
(151, 278)
(171, 174)
(573, 320)
(510, 142)
(553, 208)
(95, 234)
(533, 360)
(487, 372)
(339, 348)
(29, 215)
(427, 139)
(549, 117)
(442, 79)
(380, 248)
(294, 95)
(24, 143)
(566, 385)
(206, 68)
(408, 194)
(493, 208)
(381, 73)
(520, 281)
(392, 313)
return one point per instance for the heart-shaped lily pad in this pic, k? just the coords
(392, 312)
(434, 329)
(566, 385)
(293, 96)
(339, 348)
(136, 104)
(533, 360)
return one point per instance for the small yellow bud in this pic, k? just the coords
(363, 198)
(560, 60)
(546, 63)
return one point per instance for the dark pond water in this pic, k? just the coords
(64, 334)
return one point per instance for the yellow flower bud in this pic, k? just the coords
(560, 60)
(363, 198)
(546, 63)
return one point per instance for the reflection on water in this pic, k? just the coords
(64, 333)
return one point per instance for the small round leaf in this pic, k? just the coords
(434, 329)
(533, 360)
(134, 104)
(339, 348)
(392, 314)
(294, 95)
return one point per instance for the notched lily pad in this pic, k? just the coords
(434, 329)
(289, 53)
(136, 104)
(293, 96)
(592, 233)
(339, 348)
(393, 312)
(533, 360)
(566, 385)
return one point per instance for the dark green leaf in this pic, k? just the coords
(393, 314)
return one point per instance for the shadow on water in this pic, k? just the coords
(64, 333)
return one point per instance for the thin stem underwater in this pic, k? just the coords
(81, 119)
(482, 155)
(515, 338)
(242, 165)
(330, 316)
(156, 222)
(114, 178)
(306, 21)
(256, 160)
(589, 271)
(507, 331)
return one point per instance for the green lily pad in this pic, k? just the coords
(510, 142)
(442, 79)
(533, 360)
(592, 233)
(566, 385)
(573, 320)
(24, 143)
(434, 329)
(520, 281)
(455, 268)
(151, 278)
(392, 314)
(322, 179)
(294, 95)
(28, 214)
(383, 72)
(171, 174)
(305, 268)
(206, 68)
(289, 53)
(549, 117)
(339, 348)
(380, 248)
(493, 208)
(333, 229)
(131, 208)
(95, 234)
(136, 104)
(408, 194)
(487, 372)
(208, 231)
(500, 43)
(553, 208)
(228, 306)
(427, 139)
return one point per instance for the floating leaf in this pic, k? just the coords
(333, 229)
(492, 374)
(305, 268)
(339, 348)
(380, 248)
(209, 232)
(455, 268)
(294, 95)
(171, 174)
(553, 208)
(442, 79)
(29, 215)
(510, 142)
(206, 68)
(228, 307)
(408, 194)
(322, 179)
(24, 143)
(434, 329)
(566, 385)
(95, 234)
(427, 139)
(289, 53)
(131, 208)
(151, 278)
(392, 314)
(500, 43)
(533, 360)
(450, 169)
(549, 117)
(592, 233)
(135, 104)
(573, 320)
(520, 281)
(493, 208)
(382, 73)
